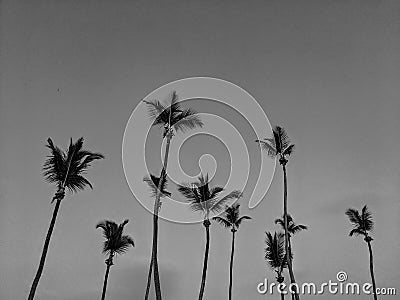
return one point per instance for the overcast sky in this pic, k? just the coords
(328, 71)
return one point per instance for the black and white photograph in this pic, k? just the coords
(199, 150)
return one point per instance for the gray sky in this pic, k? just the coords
(328, 71)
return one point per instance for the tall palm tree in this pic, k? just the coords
(204, 199)
(115, 243)
(66, 169)
(172, 118)
(275, 255)
(279, 146)
(231, 219)
(363, 225)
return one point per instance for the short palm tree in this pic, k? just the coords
(231, 219)
(279, 146)
(204, 199)
(115, 243)
(275, 255)
(172, 118)
(66, 169)
(363, 225)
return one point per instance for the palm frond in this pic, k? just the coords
(217, 205)
(223, 221)
(289, 150)
(354, 216)
(366, 216)
(186, 120)
(269, 147)
(281, 139)
(153, 183)
(155, 108)
(357, 231)
(54, 167)
(240, 220)
(215, 191)
(295, 228)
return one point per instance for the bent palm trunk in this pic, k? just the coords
(44, 251)
(205, 263)
(371, 268)
(288, 257)
(231, 264)
(146, 295)
(154, 261)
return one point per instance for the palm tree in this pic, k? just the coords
(205, 200)
(66, 170)
(363, 225)
(275, 255)
(115, 243)
(231, 219)
(279, 146)
(172, 118)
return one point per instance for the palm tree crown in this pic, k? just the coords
(204, 199)
(67, 169)
(293, 228)
(115, 241)
(278, 145)
(363, 223)
(230, 218)
(275, 252)
(172, 115)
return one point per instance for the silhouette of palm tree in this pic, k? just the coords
(363, 225)
(66, 170)
(275, 255)
(172, 118)
(205, 200)
(279, 146)
(231, 219)
(115, 243)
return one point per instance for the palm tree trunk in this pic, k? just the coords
(290, 251)
(282, 296)
(109, 264)
(205, 263)
(288, 258)
(371, 268)
(231, 264)
(44, 251)
(157, 284)
(146, 295)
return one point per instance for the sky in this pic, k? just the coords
(328, 71)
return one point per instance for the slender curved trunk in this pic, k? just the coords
(109, 264)
(146, 295)
(44, 251)
(154, 261)
(288, 258)
(282, 296)
(205, 263)
(290, 251)
(231, 264)
(371, 268)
